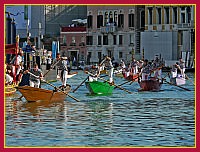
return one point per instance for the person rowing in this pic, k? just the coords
(108, 65)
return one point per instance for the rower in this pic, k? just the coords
(34, 81)
(108, 65)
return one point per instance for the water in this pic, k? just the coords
(165, 118)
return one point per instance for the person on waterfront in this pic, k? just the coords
(64, 71)
(181, 66)
(49, 61)
(35, 78)
(108, 65)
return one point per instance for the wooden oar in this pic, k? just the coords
(108, 82)
(176, 85)
(51, 68)
(80, 84)
(55, 87)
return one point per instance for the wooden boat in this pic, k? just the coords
(150, 85)
(131, 77)
(10, 90)
(179, 80)
(39, 94)
(98, 87)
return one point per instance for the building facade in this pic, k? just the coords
(113, 31)
(169, 32)
(73, 42)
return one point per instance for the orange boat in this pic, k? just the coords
(39, 94)
(131, 77)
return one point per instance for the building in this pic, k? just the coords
(114, 31)
(170, 33)
(73, 42)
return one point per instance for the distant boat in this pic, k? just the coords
(98, 87)
(32, 94)
(150, 85)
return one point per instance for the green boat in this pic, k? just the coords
(97, 87)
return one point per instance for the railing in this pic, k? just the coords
(109, 28)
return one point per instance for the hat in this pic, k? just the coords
(64, 58)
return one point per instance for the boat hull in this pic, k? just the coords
(150, 85)
(97, 87)
(133, 77)
(178, 81)
(32, 94)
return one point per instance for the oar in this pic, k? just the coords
(176, 85)
(51, 68)
(80, 84)
(54, 87)
(108, 82)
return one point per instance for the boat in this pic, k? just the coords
(98, 87)
(10, 90)
(131, 77)
(151, 84)
(178, 80)
(32, 94)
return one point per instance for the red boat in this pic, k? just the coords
(150, 85)
(131, 77)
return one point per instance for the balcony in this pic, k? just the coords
(183, 26)
(111, 28)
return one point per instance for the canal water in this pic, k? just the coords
(165, 118)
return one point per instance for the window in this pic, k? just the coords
(106, 20)
(166, 15)
(105, 40)
(131, 20)
(89, 40)
(114, 39)
(120, 54)
(120, 39)
(142, 24)
(175, 19)
(182, 17)
(73, 39)
(115, 17)
(131, 39)
(99, 40)
(121, 20)
(110, 17)
(159, 15)
(150, 16)
(99, 21)
(89, 20)
(188, 14)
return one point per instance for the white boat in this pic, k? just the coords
(178, 80)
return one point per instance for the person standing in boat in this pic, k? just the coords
(64, 71)
(157, 67)
(49, 60)
(59, 63)
(146, 70)
(35, 81)
(181, 66)
(134, 66)
(95, 70)
(108, 65)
